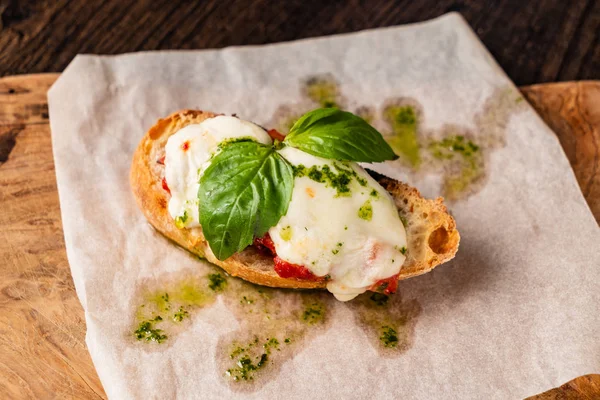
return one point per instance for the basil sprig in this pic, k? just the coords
(248, 186)
(245, 191)
(339, 135)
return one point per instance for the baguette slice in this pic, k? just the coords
(431, 231)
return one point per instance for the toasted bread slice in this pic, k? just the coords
(431, 232)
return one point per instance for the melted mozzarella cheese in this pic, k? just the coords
(356, 238)
(350, 232)
(188, 153)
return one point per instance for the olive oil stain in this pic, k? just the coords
(459, 155)
(274, 324)
(323, 90)
(318, 91)
(165, 307)
(388, 321)
(461, 161)
(403, 117)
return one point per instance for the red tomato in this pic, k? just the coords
(386, 286)
(275, 135)
(266, 245)
(287, 270)
(165, 186)
(283, 268)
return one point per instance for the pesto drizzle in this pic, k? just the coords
(366, 211)
(217, 282)
(340, 180)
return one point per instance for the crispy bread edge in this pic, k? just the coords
(431, 230)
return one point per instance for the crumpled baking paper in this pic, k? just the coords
(515, 313)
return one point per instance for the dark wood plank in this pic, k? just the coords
(534, 41)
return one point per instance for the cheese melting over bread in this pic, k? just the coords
(340, 222)
(188, 153)
(354, 236)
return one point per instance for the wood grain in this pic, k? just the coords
(534, 41)
(585, 387)
(42, 327)
(572, 110)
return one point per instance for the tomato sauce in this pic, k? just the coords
(276, 135)
(294, 271)
(386, 286)
(165, 186)
(283, 268)
(161, 161)
(287, 270)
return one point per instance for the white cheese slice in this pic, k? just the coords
(356, 238)
(188, 153)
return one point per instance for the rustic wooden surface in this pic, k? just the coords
(572, 110)
(42, 327)
(534, 41)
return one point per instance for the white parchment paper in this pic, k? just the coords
(514, 314)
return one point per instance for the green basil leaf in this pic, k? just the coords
(245, 191)
(339, 135)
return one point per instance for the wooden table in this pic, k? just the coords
(534, 41)
(42, 327)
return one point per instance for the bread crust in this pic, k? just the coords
(431, 231)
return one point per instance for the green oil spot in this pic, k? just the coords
(374, 193)
(313, 313)
(190, 294)
(453, 146)
(159, 300)
(389, 336)
(216, 282)
(379, 299)
(388, 321)
(161, 311)
(180, 314)
(272, 328)
(272, 343)
(366, 211)
(146, 331)
(181, 220)
(463, 153)
(323, 91)
(286, 233)
(403, 121)
(249, 358)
